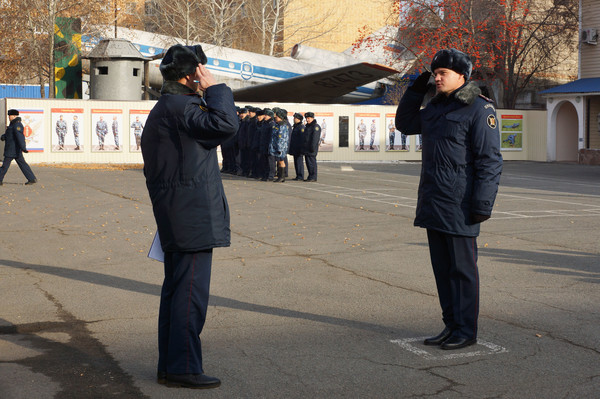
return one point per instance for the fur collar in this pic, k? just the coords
(465, 94)
(172, 87)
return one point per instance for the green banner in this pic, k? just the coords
(67, 58)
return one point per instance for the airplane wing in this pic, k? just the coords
(317, 88)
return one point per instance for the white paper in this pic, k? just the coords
(156, 251)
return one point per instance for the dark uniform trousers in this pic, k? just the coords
(454, 261)
(311, 166)
(20, 160)
(299, 166)
(183, 305)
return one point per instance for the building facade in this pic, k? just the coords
(573, 117)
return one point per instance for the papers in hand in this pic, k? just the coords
(156, 251)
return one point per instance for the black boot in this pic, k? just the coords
(280, 175)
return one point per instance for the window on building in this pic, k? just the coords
(343, 131)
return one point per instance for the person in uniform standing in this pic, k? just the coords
(279, 143)
(268, 162)
(362, 132)
(14, 147)
(61, 132)
(137, 127)
(460, 174)
(391, 134)
(297, 146)
(115, 130)
(312, 134)
(179, 148)
(76, 132)
(373, 133)
(101, 132)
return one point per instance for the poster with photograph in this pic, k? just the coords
(137, 120)
(511, 132)
(107, 126)
(367, 131)
(325, 120)
(67, 129)
(394, 139)
(33, 128)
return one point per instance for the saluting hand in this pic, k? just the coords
(205, 78)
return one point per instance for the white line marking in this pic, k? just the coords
(407, 344)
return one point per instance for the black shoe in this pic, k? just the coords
(297, 178)
(310, 180)
(440, 338)
(31, 182)
(161, 377)
(458, 342)
(194, 381)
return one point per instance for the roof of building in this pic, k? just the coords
(588, 85)
(114, 49)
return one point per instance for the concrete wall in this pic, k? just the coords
(41, 116)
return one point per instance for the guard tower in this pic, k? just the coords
(116, 71)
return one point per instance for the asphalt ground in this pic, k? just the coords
(326, 291)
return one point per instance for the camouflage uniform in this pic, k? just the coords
(115, 130)
(101, 132)
(61, 131)
(137, 126)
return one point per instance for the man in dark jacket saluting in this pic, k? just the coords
(182, 176)
(459, 182)
(14, 147)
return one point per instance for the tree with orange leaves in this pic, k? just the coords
(513, 43)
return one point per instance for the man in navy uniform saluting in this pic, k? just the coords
(179, 144)
(461, 166)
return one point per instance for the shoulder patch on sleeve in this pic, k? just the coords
(19, 128)
(491, 121)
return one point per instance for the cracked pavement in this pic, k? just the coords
(326, 291)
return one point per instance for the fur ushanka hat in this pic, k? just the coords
(453, 59)
(181, 61)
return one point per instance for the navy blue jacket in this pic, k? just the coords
(297, 140)
(312, 134)
(180, 164)
(14, 140)
(265, 130)
(461, 160)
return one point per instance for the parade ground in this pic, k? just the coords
(326, 291)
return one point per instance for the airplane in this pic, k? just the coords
(310, 75)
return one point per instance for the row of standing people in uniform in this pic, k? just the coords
(264, 139)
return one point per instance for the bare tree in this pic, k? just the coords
(268, 18)
(208, 21)
(31, 37)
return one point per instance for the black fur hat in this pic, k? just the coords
(298, 116)
(181, 61)
(453, 59)
(13, 112)
(281, 113)
(309, 115)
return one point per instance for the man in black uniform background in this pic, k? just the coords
(14, 147)
(461, 166)
(312, 134)
(297, 146)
